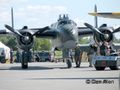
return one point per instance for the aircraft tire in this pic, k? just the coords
(69, 63)
(114, 67)
(24, 65)
(24, 61)
(99, 68)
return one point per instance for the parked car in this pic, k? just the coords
(42, 56)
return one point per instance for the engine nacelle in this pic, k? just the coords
(108, 35)
(26, 41)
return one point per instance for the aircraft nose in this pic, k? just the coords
(67, 27)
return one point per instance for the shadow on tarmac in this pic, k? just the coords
(92, 78)
(84, 68)
(38, 68)
(29, 68)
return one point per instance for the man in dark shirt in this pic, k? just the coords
(103, 49)
(106, 49)
(78, 55)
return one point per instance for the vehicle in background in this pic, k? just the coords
(4, 53)
(112, 61)
(42, 56)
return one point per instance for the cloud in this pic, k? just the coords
(5, 5)
(44, 9)
(4, 17)
(8, 2)
(39, 13)
(28, 13)
(80, 22)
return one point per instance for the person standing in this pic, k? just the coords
(18, 55)
(78, 55)
(105, 49)
(71, 55)
(11, 56)
(91, 54)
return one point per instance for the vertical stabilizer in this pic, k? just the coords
(12, 18)
(96, 19)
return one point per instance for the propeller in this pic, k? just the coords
(105, 35)
(13, 30)
(93, 28)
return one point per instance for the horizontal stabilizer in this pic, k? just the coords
(115, 15)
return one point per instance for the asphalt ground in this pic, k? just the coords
(55, 76)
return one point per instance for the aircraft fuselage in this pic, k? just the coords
(67, 34)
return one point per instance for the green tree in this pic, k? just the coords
(116, 40)
(41, 44)
(9, 41)
(84, 40)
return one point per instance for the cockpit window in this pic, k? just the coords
(64, 22)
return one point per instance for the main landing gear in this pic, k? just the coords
(26, 57)
(69, 63)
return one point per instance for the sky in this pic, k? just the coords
(41, 13)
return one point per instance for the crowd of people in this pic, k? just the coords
(103, 49)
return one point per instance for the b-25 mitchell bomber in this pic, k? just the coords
(64, 35)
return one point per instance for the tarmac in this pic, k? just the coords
(55, 76)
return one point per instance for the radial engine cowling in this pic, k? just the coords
(26, 41)
(108, 35)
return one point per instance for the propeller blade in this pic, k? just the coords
(13, 30)
(116, 30)
(41, 30)
(93, 28)
(103, 25)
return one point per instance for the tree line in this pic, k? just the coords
(39, 44)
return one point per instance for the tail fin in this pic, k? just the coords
(12, 18)
(96, 18)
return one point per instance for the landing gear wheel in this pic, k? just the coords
(114, 67)
(24, 61)
(24, 65)
(99, 68)
(69, 63)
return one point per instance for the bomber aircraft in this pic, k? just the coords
(64, 35)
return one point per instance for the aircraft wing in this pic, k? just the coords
(85, 47)
(48, 33)
(3, 31)
(116, 46)
(84, 31)
(115, 15)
